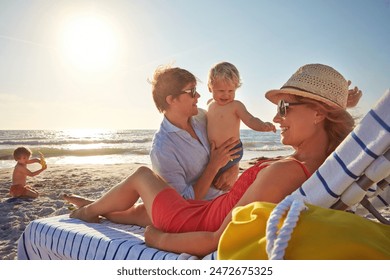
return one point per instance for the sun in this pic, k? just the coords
(88, 42)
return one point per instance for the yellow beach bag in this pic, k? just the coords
(319, 234)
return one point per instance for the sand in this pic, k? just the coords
(87, 180)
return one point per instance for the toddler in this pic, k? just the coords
(19, 187)
(225, 113)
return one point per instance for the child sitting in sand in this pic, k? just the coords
(19, 176)
(225, 113)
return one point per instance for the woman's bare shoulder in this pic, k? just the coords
(285, 168)
(279, 179)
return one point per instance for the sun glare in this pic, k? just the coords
(89, 42)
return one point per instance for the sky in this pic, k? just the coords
(85, 64)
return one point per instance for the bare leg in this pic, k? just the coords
(23, 191)
(142, 183)
(79, 201)
(30, 192)
(135, 215)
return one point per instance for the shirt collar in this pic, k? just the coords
(171, 128)
(168, 126)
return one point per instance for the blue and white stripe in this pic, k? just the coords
(63, 238)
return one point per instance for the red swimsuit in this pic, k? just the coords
(172, 213)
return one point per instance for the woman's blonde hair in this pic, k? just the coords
(338, 122)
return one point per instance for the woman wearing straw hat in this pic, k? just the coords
(313, 120)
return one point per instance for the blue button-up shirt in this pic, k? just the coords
(181, 159)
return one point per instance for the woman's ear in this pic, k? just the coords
(318, 117)
(169, 99)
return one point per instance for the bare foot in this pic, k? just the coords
(82, 214)
(79, 201)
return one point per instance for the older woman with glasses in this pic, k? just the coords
(313, 120)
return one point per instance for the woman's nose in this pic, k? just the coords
(277, 118)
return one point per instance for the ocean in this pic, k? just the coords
(112, 146)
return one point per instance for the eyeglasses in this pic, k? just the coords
(192, 92)
(283, 105)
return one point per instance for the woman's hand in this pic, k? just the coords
(220, 156)
(354, 96)
(227, 179)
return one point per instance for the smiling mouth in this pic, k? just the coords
(283, 129)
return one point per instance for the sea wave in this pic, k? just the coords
(270, 145)
(112, 146)
(269, 148)
(7, 154)
(53, 142)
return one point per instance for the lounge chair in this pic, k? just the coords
(61, 237)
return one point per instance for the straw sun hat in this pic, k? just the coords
(315, 81)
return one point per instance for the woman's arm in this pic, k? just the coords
(165, 162)
(198, 243)
(227, 179)
(218, 159)
(167, 166)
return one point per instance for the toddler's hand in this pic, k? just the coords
(270, 127)
(43, 161)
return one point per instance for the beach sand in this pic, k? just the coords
(86, 180)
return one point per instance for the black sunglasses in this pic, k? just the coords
(192, 92)
(283, 105)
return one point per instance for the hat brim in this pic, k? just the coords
(274, 96)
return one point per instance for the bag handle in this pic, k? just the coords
(277, 240)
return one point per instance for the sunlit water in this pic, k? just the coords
(112, 146)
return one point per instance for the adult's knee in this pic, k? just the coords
(141, 172)
(144, 170)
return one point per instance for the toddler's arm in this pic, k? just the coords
(30, 173)
(251, 121)
(33, 160)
